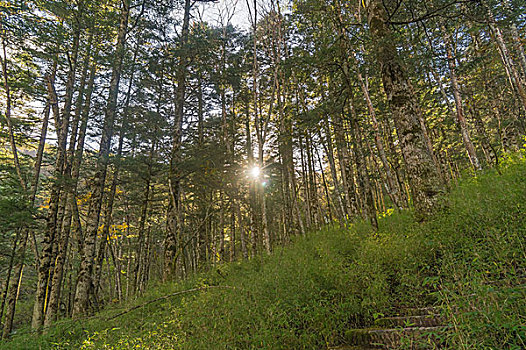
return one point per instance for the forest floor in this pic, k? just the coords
(464, 262)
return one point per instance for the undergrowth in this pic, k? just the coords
(467, 259)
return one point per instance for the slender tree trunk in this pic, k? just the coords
(251, 189)
(8, 279)
(312, 203)
(264, 221)
(261, 128)
(325, 186)
(85, 281)
(507, 60)
(517, 40)
(472, 154)
(220, 252)
(489, 153)
(395, 154)
(392, 186)
(70, 196)
(45, 264)
(306, 183)
(108, 210)
(361, 164)
(344, 161)
(143, 242)
(3, 61)
(19, 243)
(57, 198)
(173, 225)
(19, 254)
(329, 150)
(242, 233)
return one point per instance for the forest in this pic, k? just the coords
(270, 174)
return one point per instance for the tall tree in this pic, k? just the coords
(85, 286)
(422, 172)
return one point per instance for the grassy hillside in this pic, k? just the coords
(466, 260)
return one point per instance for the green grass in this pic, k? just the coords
(307, 295)
(482, 241)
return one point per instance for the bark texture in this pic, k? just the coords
(423, 175)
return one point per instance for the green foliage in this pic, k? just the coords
(468, 259)
(14, 206)
(305, 296)
(483, 267)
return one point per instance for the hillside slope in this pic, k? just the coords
(307, 295)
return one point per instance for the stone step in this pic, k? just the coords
(392, 338)
(419, 327)
(431, 320)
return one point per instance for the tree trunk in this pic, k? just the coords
(329, 150)
(142, 236)
(422, 172)
(70, 196)
(45, 264)
(507, 60)
(325, 186)
(472, 154)
(85, 281)
(173, 224)
(3, 61)
(392, 186)
(108, 210)
(361, 164)
(344, 161)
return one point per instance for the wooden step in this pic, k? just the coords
(431, 320)
(392, 338)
